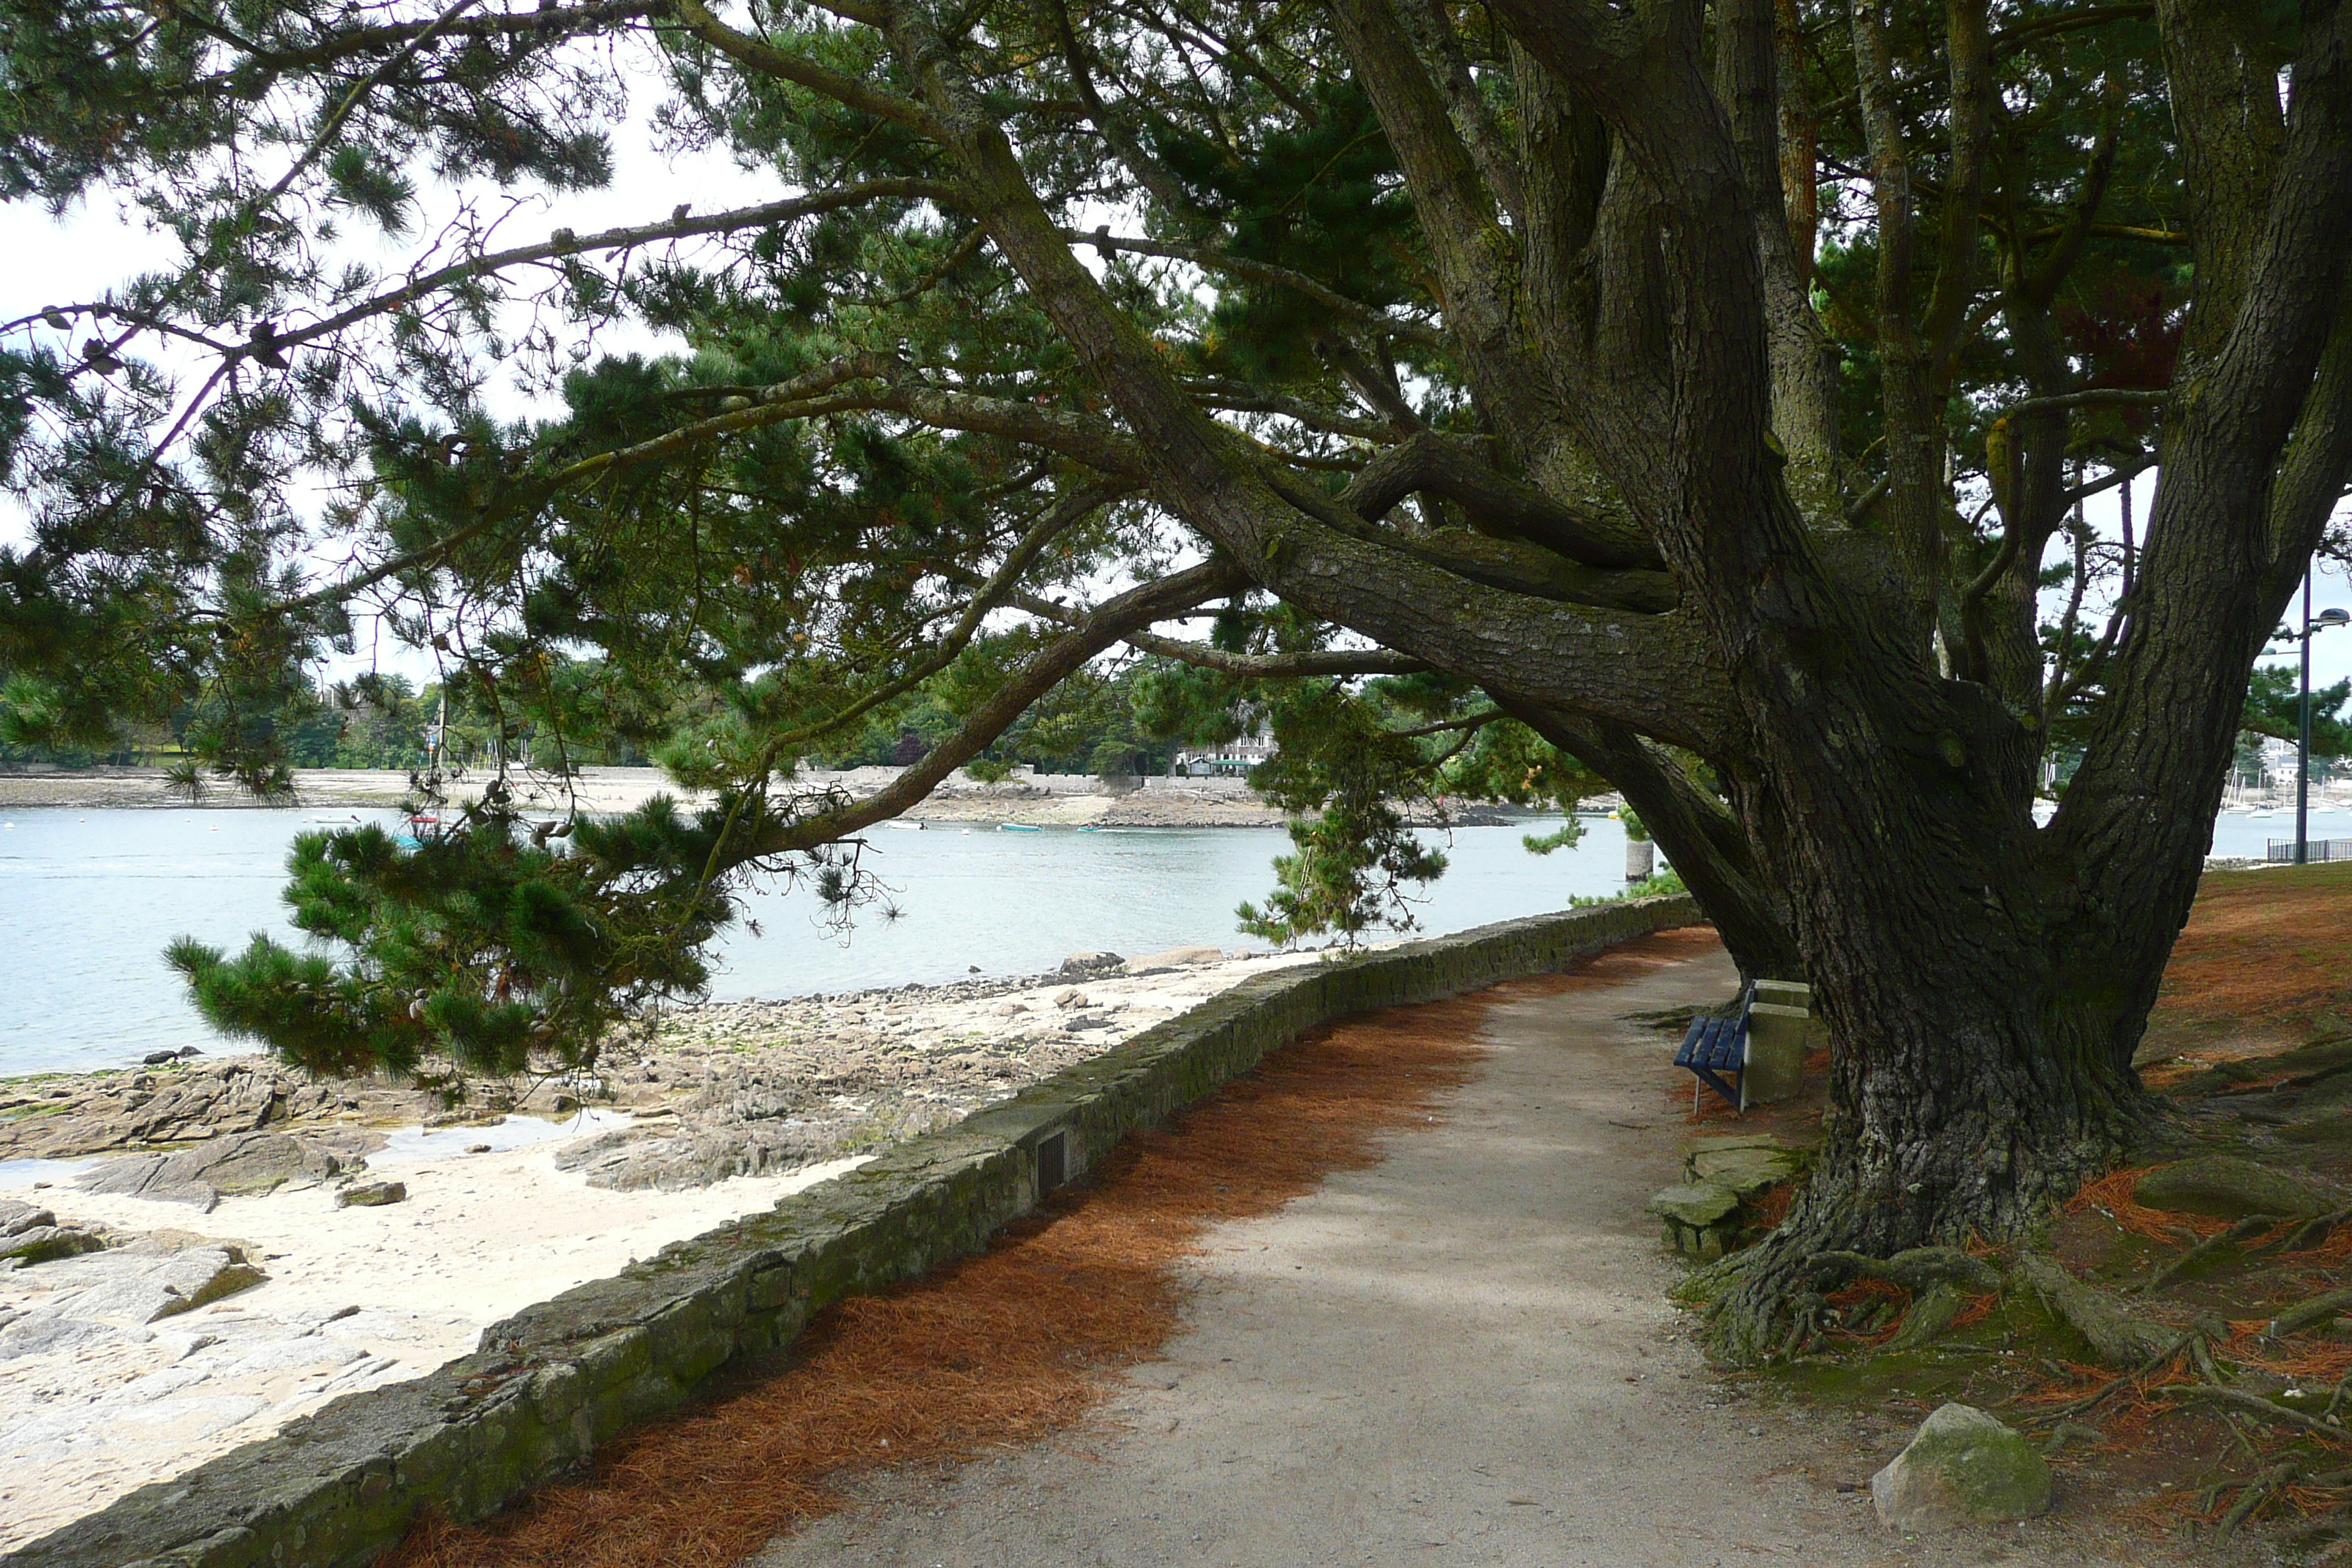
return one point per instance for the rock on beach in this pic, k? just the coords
(372, 1195)
(29, 1235)
(250, 1163)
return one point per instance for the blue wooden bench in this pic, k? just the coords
(1716, 1047)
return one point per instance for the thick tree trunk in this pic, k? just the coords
(1982, 1005)
(1979, 1075)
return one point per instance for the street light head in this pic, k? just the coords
(2332, 617)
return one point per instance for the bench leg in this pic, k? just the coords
(1709, 1076)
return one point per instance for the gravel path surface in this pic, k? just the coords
(1462, 1354)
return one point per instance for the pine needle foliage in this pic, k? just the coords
(487, 950)
(1354, 859)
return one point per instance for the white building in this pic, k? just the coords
(1232, 757)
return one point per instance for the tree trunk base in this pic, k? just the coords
(1765, 1303)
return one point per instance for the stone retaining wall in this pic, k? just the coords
(550, 1383)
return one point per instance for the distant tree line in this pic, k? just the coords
(373, 721)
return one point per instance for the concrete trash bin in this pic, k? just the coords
(1781, 1032)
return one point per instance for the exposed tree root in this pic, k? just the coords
(1767, 1304)
(2114, 1336)
(2319, 1310)
(1760, 1305)
(1853, 1221)
(1918, 1269)
(2314, 1232)
(2257, 1493)
(2237, 1235)
(1929, 1316)
(2062, 1414)
(1847, 1274)
(2253, 1405)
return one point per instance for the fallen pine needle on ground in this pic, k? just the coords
(1001, 1348)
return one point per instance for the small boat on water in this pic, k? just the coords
(1018, 827)
(903, 826)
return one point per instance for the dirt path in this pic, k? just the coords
(1461, 1355)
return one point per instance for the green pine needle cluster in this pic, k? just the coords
(491, 949)
(1356, 857)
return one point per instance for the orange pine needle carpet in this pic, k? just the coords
(1002, 1348)
(2265, 951)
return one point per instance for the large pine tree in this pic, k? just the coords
(1702, 396)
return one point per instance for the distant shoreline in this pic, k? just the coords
(1028, 800)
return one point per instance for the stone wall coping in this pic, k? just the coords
(335, 1489)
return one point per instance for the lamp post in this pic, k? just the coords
(2327, 617)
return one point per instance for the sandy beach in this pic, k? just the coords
(228, 1286)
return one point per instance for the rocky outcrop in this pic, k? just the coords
(250, 1163)
(1174, 958)
(19, 1217)
(151, 1356)
(48, 1243)
(190, 1102)
(1962, 1468)
(132, 1287)
(29, 1235)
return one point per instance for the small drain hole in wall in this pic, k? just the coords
(1053, 1163)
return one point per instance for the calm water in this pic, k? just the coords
(90, 899)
